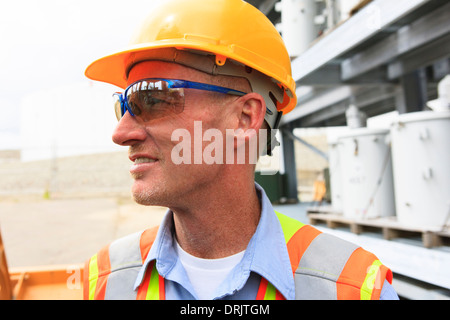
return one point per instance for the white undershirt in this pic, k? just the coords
(206, 275)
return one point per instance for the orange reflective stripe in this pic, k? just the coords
(353, 275)
(146, 241)
(162, 288)
(86, 280)
(298, 244)
(104, 269)
(362, 277)
(298, 237)
(262, 289)
(279, 296)
(143, 288)
(152, 287)
(98, 268)
(386, 274)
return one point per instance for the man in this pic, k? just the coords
(202, 81)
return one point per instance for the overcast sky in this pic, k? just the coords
(49, 43)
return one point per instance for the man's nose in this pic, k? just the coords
(128, 131)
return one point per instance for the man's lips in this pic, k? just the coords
(142, 158)
(141, 162)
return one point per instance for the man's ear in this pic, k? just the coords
(252, 112)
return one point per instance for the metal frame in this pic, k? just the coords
(386, 62)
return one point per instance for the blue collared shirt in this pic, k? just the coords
(266, 255)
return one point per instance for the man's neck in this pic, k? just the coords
(221, 223)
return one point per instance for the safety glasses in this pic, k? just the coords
(154, 98)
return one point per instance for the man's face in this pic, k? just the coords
(157, 179)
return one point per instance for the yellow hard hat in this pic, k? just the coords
(227, 29)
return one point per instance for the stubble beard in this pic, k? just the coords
(153, 194)
(143, 194)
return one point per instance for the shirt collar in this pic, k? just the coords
(271, 258)
(266, 254)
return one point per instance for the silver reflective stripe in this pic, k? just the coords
(126, 261)
(320, 267)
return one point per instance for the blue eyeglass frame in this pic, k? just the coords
(174, 84)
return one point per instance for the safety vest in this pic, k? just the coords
(323, 266)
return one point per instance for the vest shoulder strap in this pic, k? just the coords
(331, 268)
(117, 263)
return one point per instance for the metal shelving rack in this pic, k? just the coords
(388, 56)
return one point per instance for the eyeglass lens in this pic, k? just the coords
(151, 99)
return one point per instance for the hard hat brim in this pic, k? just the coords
(114, 68)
